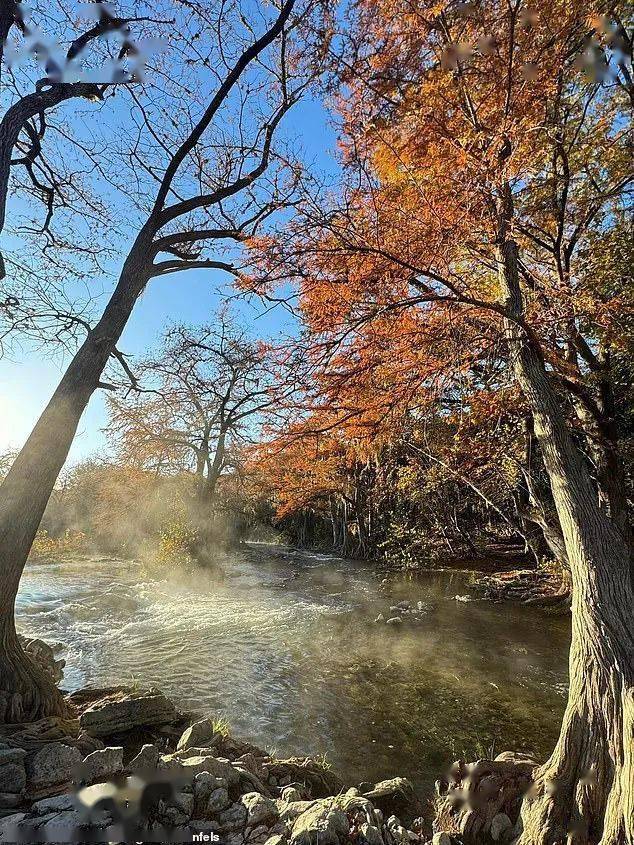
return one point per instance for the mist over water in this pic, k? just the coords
(284, 646)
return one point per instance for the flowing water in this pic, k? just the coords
(284, 646)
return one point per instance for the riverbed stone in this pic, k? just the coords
(10, 823)
(394, 620)
(130, 711)
(54, 764)
(260, 810)
(322, 824)
(101, 765)
(11, 755)
(291, 793)
(501, 827)
(200, 734)
(218, 801)
(12, 777)
(217, 766)
(56, 804)
(371, 834)
(289, 812)
(233, 818)
(395, 796)
(146, 760)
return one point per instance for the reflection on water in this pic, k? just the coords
(284, 646)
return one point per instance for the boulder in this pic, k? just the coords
(12, 777)
(322, 824)
(200, 734)
(260, 810)
(146, 760)
(233, 818)
(218, 801)
(395, 796)
(9, 827)
(216, 766)
(293, 810)
(57, 804)
(371, 834)
(291, 793)
(121, 712)
(394, 620)
(101, 765)
(10, 800)
(501, 826)
(54, 764)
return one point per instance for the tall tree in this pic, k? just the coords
(487, 157)
(216, 180)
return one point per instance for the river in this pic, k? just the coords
(284, 646)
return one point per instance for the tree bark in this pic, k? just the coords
(26, 694)
(585, 792)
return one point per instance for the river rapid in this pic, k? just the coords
(284, 646)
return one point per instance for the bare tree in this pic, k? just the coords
(203, 395)
(216, 181)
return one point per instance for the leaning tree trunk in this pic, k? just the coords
(585, 792)
(26, 693)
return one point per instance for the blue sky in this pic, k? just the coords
(28, 378)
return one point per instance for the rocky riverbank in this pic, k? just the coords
(128, 766)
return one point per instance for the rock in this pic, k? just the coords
(12, 777)
(500, 825)
(9, 824)
(205, 783)
(233, 818)
(380, 618)
(10, 800)
(218, 801)
(276, 839)
(441, 839)
(290, 793)
(250, 763)
(405, 605)
(394, 620)
(371, 834)
(58, 804)
(395, 796)
(462, 598)
(257, 835)
(101, 765)
(322, 824)
(200, 734)
(11, 755)
(420, 606)
(54, 764)
(122, 713)
(216, 766)
(146, 760)
(291, 812)
(260, 810)
(185, 801)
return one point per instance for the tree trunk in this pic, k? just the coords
(26, 694)
(585, 792)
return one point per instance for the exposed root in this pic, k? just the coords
(538, 587)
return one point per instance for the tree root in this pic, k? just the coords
(537, 587)
(477, 798)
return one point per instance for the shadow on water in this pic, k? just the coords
(285, 647)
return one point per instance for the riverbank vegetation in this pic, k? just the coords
(459, 375)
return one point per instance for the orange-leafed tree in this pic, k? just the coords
(488, 177)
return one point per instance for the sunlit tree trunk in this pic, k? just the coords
(25, 692)
(585, 792)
